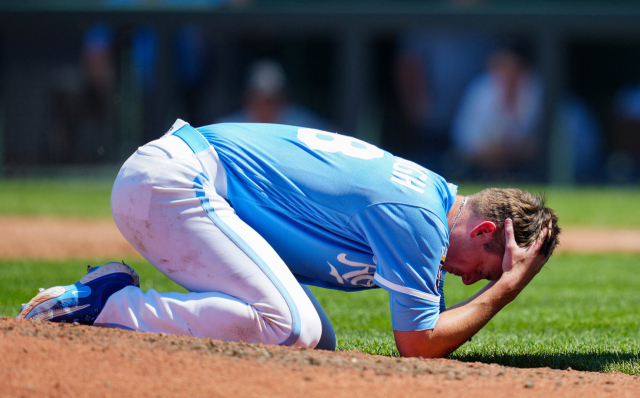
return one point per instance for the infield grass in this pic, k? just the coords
(60, 198)
(581, 312)
(583, 206)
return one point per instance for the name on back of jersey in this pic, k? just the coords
(409, 175)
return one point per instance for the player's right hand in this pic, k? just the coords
(521, 264)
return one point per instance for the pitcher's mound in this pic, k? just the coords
(41, 359)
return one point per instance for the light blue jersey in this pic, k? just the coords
(342, 213)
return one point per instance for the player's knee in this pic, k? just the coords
(317, 332)
(317, 327)
(310, 330)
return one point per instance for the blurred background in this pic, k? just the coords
(476, 90)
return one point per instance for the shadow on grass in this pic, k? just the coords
(592, 362)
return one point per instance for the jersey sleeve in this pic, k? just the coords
(409, 244)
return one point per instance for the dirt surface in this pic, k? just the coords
(59, 238)
(59, 360)
(56, 360)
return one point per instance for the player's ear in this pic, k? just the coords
(485, 229)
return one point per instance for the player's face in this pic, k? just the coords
(467, 257)
(475, 266)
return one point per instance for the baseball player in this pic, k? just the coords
(244, 216)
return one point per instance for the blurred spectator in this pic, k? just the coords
(82, 111)
(431, 72)
(144, 48)
(496, 127)
(265, 100)
(579, 124)
(182, 76)
(191, 71)
(432, 69)
(97, 59)
(622, 163)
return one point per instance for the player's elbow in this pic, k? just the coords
(420, 352)
(414, 344)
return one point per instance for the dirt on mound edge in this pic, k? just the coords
(43, 359)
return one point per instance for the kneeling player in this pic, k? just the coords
(244, 216)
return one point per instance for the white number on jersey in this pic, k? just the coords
(333, 143)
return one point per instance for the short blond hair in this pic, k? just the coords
(529, 214)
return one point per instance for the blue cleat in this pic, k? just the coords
(82, 301)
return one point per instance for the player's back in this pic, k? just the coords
(326, 202)
(307, 171)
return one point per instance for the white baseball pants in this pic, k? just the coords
(169, 202)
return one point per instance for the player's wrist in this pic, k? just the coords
(508, 287)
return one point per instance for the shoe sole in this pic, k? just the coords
(54, 292)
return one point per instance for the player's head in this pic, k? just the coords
(265, 94)
(477, 247)
(529, 214)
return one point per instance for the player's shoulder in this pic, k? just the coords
(413, 209)
(409, 216)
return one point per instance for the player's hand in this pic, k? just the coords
(521, 264)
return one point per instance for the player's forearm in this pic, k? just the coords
(456, 326)
(478, 293)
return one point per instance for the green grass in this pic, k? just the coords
(580, 312)
(62, 198)
(585, 206)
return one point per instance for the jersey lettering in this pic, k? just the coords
(439, 276)
(361, 277)
(334, 143)
(409, 174)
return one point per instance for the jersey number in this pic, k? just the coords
(334, 143)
